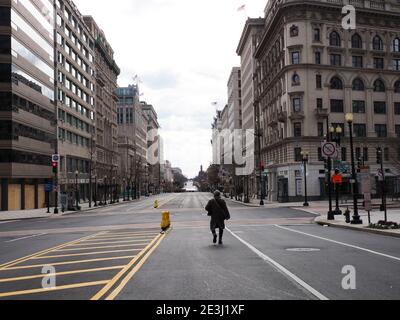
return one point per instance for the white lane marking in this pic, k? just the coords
(24, 238)
(341, 243)
(281, 268)
(4, 222)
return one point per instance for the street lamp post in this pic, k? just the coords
(336, 134)
(76, 190)
(331, 215)
(305, 162)
(384, 200)
(105, 190)
(95, 191)
(356, 216)
(124, 189)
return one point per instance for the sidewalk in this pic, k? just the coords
(42, 213)
(321, 210)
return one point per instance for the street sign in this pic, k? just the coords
(55, 158)
(329, 150)
(337, 179)
(48, 187)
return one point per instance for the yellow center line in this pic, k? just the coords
(103, 247)
(67, 287)
(84, 254)
(70, 262)
(101, 243)
(26, 258)
(109, 285)
(60, 274)
(124, 282)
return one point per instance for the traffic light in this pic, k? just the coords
(55, 167)
(379, 156)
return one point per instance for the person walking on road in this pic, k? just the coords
(219, 213)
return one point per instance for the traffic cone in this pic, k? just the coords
(156, 204)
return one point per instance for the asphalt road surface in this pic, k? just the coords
(119, 253)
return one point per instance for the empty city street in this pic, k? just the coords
(118, 253)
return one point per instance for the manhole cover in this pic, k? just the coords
(303, 250)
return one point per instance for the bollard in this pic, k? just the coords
(166, 221)
(156, 204)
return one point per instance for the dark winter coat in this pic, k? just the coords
(218, 211)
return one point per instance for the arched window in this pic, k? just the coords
(356, 41)
(358, 85)
(379, 86)
(296, 79)
(397, 87)
(377, 43)
(334, 39)
(396, 45)
(336, 84)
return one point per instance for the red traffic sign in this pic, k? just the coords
(337, 179)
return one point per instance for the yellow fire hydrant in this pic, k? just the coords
(166, 220)
(156, 204)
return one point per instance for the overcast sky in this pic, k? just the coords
(183, 52)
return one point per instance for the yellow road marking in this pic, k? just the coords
(69, 262)
(127, 235)
(84, 254)
(101, 243)
(60, 274)
(105, 247)
(67, 287)
(124, 282)
(26, 258)
(123, 238)
(109, 285)
(141, 238)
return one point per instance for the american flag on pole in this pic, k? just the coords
(242, 8)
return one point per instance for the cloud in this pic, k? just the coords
(183, 50)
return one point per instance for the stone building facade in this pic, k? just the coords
(75, 90)
(311, 73)
(106, 137)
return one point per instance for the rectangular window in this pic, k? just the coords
(297, 155)
(379, 63)
(317, 34)
(365, 155)
(296, 105)
(320, 103)
(357, 62)
(337, 106)
(380, 107)
(396, 64)
(381, 130)
(358, 106)
(336, 60)
(317, 57)
(360, 130)
(319, 81)
(295, 57)
(321, 132)
(297, 129)
(358, 154)
(398, 131)
(387, 154)
(397, 108)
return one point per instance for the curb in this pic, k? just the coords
(368, 230)
(244, 204)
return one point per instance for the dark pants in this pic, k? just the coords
(221, 232)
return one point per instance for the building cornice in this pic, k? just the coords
(250, 24)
